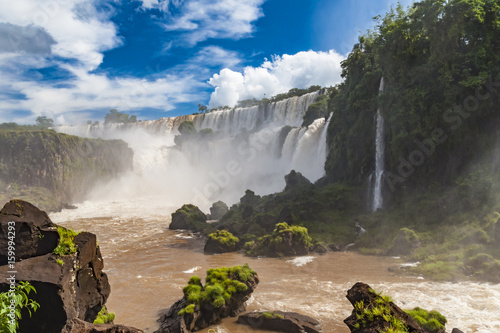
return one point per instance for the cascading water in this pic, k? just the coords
(251, 148)
(379, 156)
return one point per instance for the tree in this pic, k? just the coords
(114, 117)
(202, 108)
(44, 122)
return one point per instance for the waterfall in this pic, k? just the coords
(379, 156)
(252, 148)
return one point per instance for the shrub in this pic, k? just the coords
(20, 296)
(224, 237)
(66, 242)
(104, 317)
(431, 321)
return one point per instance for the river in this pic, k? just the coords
(148, 265)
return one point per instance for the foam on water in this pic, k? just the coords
(192, 270)
(301, 261)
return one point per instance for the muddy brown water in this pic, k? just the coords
(148, 265)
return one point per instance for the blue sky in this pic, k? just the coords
(73, 60)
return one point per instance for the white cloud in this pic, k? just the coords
(200, 20)
(78, 34)
(279, 75)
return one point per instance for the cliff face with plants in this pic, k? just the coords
(52, 167)
(440, 61)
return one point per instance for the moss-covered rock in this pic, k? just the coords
(431, 321)
(374, 313)
(221, 241)
(224, 294)
(188, 217)
(284, 241)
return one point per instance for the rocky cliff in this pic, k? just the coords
(41, 164)
(71, 287)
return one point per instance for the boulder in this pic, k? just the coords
(188, 217)
(67, 287)
(320, 248)
(362, 297)
(290, 322)
(218, 210)
(79, 326)
(295, 180)
(456, 330)
(206, 313)
(35, 234)
(406, 241)
(285, 240)
(221, 241)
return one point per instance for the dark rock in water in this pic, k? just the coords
(205, 315)
(188, 217)
(406, 241)
(362, 297)
(218, 210)
(294, 180)
(335, 247)
(75, 287)
(320, 248)
(221, 241)
(456, 330)
(79, 326)
(284, 241)
(35, 234)
(290, 322)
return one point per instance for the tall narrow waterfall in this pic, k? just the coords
(250, 148)
(379, 156)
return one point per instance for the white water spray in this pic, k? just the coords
(251, 148)
(379, 156)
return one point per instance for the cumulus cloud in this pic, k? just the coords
(278, 75)
(199, 20)
(31, 39)
(79, 34)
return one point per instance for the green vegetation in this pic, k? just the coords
(270, 315)
(188, 134)
(60, 262)
(318, 109)
(44, 122)
(284, 241)
(48, 168)
(224, 237)
(21, 301)
(189, 217)
(431, 321)
(220, 285)
(378, 311)
(114, 117)
(104, 317)
(66, 244)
